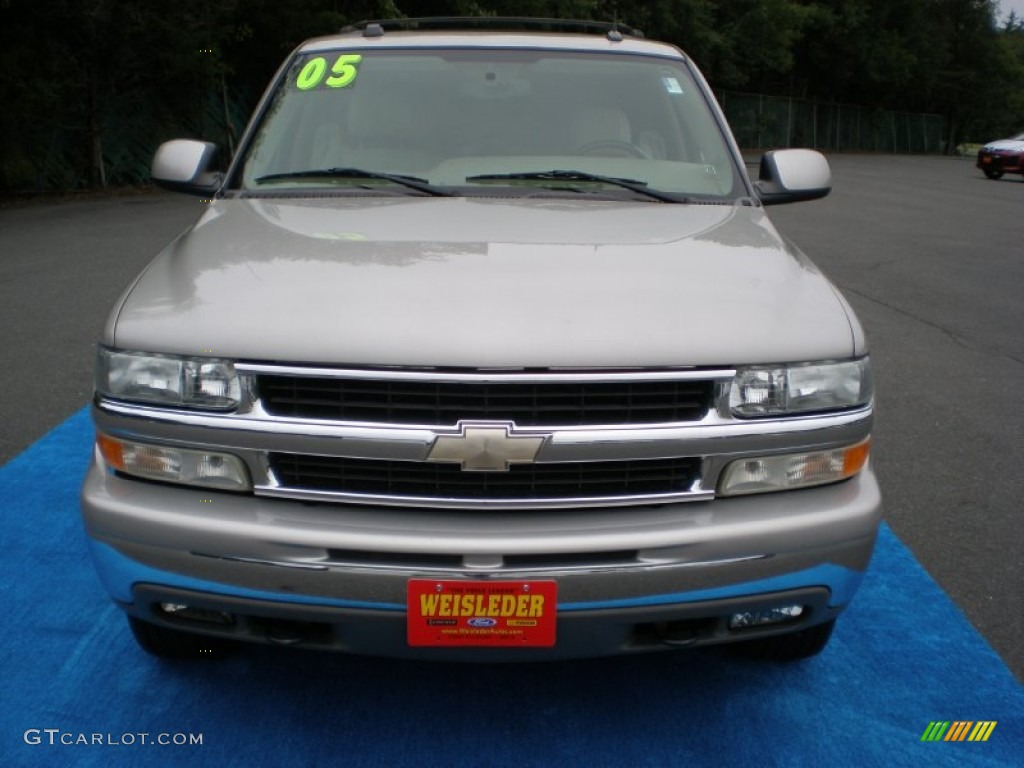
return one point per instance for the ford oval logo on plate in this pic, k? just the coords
(482, 621)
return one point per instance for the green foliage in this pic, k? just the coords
(88, 82)
(1011, 55)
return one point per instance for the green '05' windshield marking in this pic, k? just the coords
(343, 72)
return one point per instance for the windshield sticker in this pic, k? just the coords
(343, 72)
(672, 85)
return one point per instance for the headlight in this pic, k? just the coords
(805, 388)
(175, 465)
(765, 474)
(167, 380)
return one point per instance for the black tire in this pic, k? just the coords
(167, 643)
(992, 174)
(792, 647)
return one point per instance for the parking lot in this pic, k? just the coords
(926, 249)
(929, 252)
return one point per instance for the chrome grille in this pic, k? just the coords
(527, 404)
(412, 479)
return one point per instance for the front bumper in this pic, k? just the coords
(334, 576)
(1002, 162)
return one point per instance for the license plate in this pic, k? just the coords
(986, 160)
(482, 613)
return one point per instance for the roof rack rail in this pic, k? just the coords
(613, 30)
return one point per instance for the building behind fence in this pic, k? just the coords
(772, 122)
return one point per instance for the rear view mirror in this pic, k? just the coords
(183, 165)
(793, 175)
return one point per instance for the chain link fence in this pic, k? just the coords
(773, 122)
(129, 142)
(59, 157)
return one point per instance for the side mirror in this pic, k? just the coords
(793, 175)
(183, 165)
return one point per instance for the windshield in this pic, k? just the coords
(469, 121)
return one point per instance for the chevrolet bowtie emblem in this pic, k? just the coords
(490, 448)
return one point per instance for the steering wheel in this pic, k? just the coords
(595, 147)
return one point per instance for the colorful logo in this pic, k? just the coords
(959, 730)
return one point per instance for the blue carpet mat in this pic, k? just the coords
(902, 657)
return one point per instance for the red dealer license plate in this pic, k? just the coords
(482, 613)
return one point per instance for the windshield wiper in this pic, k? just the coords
(413, 182)
(633, 185)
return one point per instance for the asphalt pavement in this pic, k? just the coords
(62, 267)
(930, 254)
(928, 251)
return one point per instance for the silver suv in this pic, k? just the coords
(484, 349)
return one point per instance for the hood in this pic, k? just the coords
(1005, 145)
(470, 282)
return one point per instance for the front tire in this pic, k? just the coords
(167, 643)
(792, 647)
(992, 174)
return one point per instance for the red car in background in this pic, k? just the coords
(1004, 156)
